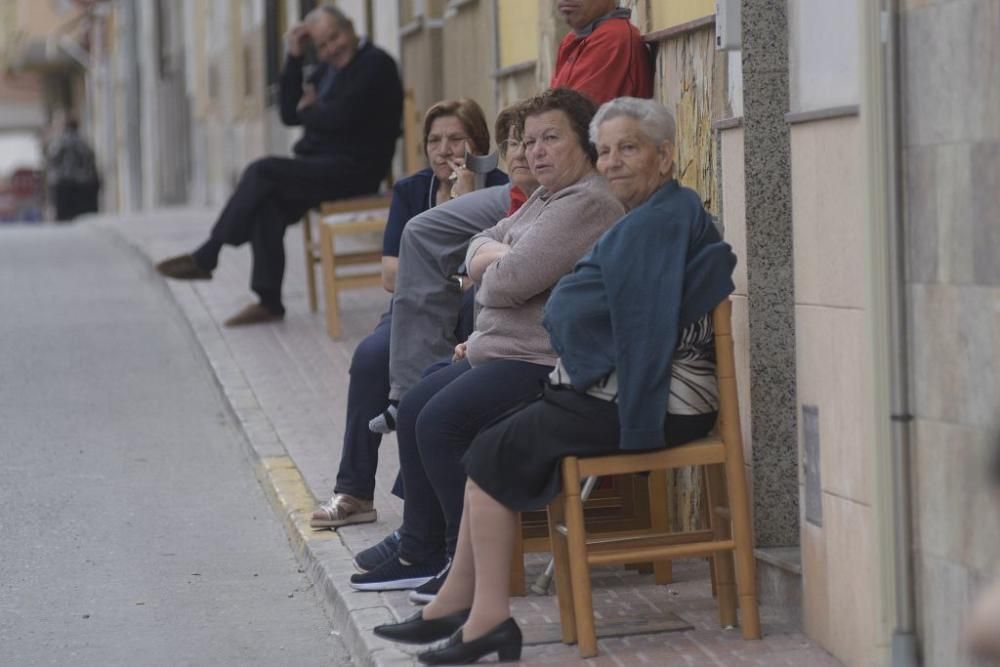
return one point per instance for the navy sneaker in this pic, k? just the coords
(370, 558)
(393, 575)
(424, 594)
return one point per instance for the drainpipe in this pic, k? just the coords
(881, 116)
(904, 639)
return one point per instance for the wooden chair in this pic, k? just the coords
(729, 535)
(349, 217)
(353, 217)
(630, 503)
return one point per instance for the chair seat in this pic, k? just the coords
(340, 221)
(700, 452)
(356, 204)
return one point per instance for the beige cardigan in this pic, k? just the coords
(547, 236)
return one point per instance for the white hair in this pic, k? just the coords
(655, 121)
(330, 12)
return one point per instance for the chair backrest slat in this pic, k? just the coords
(725, 369)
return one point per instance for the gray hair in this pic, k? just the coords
(331, 12)
(655, 121)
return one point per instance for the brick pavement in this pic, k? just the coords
(287, 385)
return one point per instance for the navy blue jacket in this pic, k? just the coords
(414, 195)
(656, 271)
(357, 113)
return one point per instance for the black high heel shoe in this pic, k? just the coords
(415, 630)
(505, 640)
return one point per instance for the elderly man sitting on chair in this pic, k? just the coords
(351, 108)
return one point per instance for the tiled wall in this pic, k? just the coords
(951, 188)
(834, 376)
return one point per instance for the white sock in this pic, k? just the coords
(385, 422)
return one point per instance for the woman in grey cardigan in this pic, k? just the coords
(515, 264)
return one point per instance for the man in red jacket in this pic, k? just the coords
(604, 56)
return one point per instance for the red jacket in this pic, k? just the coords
(610, 62)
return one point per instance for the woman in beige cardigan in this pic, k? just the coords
(515, 264)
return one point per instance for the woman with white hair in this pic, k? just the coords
(632, 327)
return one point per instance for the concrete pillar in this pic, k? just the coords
(147, 53)
(129, 99)
(767, 166)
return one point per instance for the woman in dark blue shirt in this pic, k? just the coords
(450, 128)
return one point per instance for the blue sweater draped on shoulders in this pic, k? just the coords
(660, 268)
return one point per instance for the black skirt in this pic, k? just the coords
(517, 459)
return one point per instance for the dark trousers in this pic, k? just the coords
(438, 419)
(272, 193)
(367, 396)
(73, 199)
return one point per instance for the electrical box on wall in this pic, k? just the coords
(728, 25)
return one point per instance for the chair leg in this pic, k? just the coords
(560, 556)
(746, 569)
(310, 252)
(659, 521)
(330, 292)
(722, 561)
(517, 562)
(583, 604)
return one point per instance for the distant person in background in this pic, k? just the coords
(72, 174)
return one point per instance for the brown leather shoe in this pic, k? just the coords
(256, 313)
(183, 267)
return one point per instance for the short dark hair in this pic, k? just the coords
(470, 114)
(579, 108)
(511, 117)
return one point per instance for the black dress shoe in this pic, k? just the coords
(183, 267)
(255, 313)
(504, 640)
(415, 630)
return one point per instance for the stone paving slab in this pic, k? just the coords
(287, 386)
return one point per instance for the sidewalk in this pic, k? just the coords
(287, 386)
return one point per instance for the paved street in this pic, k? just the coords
(132, 528)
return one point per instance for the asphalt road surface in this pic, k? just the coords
(132, 530)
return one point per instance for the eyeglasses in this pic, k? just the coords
(509, 146)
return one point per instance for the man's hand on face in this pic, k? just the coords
(295, 39)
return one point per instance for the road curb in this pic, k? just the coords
(324, 557)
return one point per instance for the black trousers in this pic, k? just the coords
(437, 420)
(73, 199)
(275, 192)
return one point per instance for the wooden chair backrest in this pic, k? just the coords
(728, 425)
